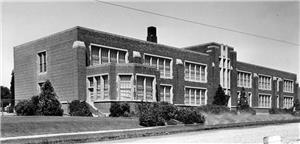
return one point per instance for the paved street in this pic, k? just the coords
(288, 132)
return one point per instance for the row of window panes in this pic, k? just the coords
(165, 93)
(264, 82)
(288, 86)
(244, 80)
(288, 102)
(264, 101)
(223, 63)
(42, 62)
(98, 87)
(194, 96)
(195, 72)
(144, 88)
(102, 55)
(225, 75)
(162, 64)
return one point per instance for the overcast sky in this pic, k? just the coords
(23, 22)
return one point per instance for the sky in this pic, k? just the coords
(26, 21)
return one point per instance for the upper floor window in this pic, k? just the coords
(164, 65)
(104, 54)
(264, 82)
(244, 80)
(288, 86)
(42, 61)
(195, 72)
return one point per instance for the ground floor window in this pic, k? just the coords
(125, 87)
(264, 101)
(166, 93)
(195, 96)
(145, 89)
(98, 87)
(288, 102)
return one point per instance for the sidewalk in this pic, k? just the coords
(91, 136)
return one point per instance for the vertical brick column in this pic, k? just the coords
(274, 92)
(233, 82)
(280, 93)
(178, 89)
(79, 50)
(255, 90)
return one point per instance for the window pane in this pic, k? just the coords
(98, 87)
(154, 62)
(202, 73)
(168, 68)
(149, 89)
(198, 97)
(125, 87)
(187, 71)
(113, 56)
(104, 55)
(140, 88)
(95, 55)
(192, 96)
(147, 60)
(162, 93)
(161, 67)
(202, 93)
(105, 81)
(168, 94)
(122, 55)
(192, 71)
(186, 97)
(198, 73)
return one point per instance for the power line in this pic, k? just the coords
(200, 23)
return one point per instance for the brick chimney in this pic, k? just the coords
(151, 37)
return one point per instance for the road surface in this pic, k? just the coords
(290, 133)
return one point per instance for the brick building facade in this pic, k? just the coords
(101, 68)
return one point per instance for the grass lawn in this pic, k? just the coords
(32, 125)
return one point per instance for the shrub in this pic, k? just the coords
(220, 98)
(248, 110)
(26, 108)
(167, 110)
(214, 109)
(280, 111)
(150, 115)
(243, 101)
(119, 109)
(189, 116)
(78, 108)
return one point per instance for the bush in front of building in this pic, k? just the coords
(280, 111)
(248, 110)
(26, 108)
(220, 98)
(118, 109)
(150, 114)
(189, 115)
(167, 110)
(78, 108)
(214, 109)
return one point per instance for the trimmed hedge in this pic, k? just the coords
(189, 116)
(118, 109)
(78, 108)
(280, 111)
(214, 109)
(150, 115)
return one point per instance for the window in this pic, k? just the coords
(98, 87)
(145, 88)
(195, 96)
(42, 62)
(165, 93)
(288, 102)
(244, 79)
(125, 87)
(264, 101)
(103, 54)
(195, 72)
(288, 86)
(164, 65)
(264, 82)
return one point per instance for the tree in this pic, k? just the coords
(220, 98)
(48, 104)
(12, 91)
(296, 104)
(5, 96)
(243, 101)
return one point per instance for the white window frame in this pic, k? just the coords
(109, 48)
(95, 88)
(199, 88)
(196, 64)
(38, 62)
(157, 64)
(171, 93)
(264, 85)
(240, 82)
(286, 86)
(270, 102)
(153, 86)
(118, 85)
(284, 102)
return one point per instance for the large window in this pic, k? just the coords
(125, 87)
(195, 96)
(264, 101)
(98, 87)
(145, 88)
(164, 65)
(244, 79)
(288, 102)
(264, 82)
(195, 72)
(166, 93)
(104, 54)
(42, 62)
(288, 86)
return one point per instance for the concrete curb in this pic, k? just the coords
(92, 136)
